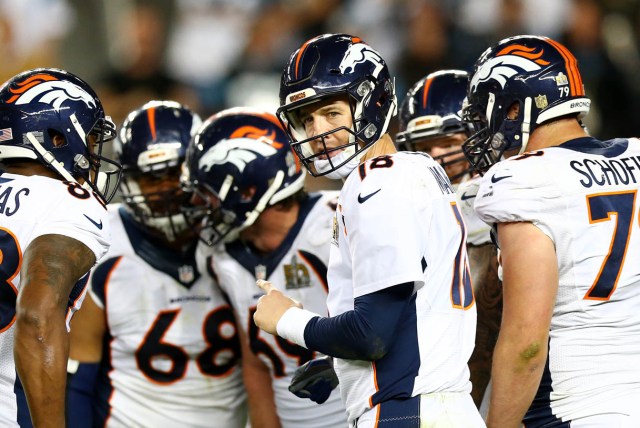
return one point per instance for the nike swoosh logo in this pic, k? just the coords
(362, 199)
(465, 196)
(95, 223)
(495, 179)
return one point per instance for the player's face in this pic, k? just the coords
(455, 164)
(157, 189)
(324, 116)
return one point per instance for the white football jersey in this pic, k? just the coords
(478, 232)
(298, 268)
(584, 196)
(31, 206)
(398, 221)
(171, 353)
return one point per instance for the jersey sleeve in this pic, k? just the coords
(513, 191)
(81, 218)
(384, 222)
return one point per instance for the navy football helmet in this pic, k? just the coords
(333, 65)
(37, 105)
(240, 158)
(539, 75)
(151, 146)
(431, 112)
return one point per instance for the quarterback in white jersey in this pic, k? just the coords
(280, 233)
(51, 232)
(402, 315)
(564, 205)
(435, 337)
(160, 344)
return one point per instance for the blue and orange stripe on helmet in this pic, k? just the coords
(151, 116)
(425, 91)
(571, 64)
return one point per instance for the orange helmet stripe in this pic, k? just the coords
(425, 91)
(575, 81)
(151, 115)
(301, 52)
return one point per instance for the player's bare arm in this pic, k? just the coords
(530, 286)
(51, 266)
(488, 295)
(257, 382)
(87, 330)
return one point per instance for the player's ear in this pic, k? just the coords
(514, 111)
(57, 138)
(247, 193)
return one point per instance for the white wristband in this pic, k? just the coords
(292, 324)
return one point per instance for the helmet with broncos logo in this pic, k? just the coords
(39, 106)
(539, 76)
(151, 146)
(239, 163)
(336, 65)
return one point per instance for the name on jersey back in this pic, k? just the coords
(10, 199)
(606, 172)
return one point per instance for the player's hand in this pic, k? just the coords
(271, 307)
(314, 380)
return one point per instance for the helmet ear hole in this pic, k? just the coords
(513, 112)
(247, 193)
(57, 138)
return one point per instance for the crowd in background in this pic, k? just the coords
(213, 54)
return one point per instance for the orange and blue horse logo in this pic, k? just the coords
(510, 61)
(47, 89)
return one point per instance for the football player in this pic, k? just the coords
(54, 185)
(564, 205)
(402, 316)
(429, 121)
(263, 225)
(156, 343)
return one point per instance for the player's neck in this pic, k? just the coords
(29, 168)
(555, 133)
(271, 228)
(384, 146)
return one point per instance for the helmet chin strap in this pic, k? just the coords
(51, 160)
(526, 125)
(262, 203)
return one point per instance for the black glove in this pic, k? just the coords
(314, 380)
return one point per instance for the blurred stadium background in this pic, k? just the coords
(213, 54)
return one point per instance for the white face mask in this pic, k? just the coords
(323, 165)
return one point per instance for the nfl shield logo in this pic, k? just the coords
(185, 274)
(541, 101)
(261, 272)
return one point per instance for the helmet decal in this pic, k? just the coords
(255, 133)
(237, 151)
(506, 65)
(48, 89)
(358, 53)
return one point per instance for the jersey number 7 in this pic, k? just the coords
(601, 206)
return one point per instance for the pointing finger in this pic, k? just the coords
(266, 286)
